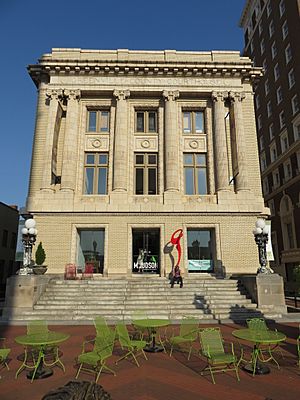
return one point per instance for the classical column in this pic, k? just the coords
(53, 97)
(171, 141)
(241, 179)
(69, 163)
(220, 143)
(121, 142)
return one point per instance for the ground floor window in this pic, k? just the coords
(145, 251)
(91, 248)
(200, 250)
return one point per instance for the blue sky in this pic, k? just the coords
(30, 28)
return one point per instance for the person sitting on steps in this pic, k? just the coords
(176, 277)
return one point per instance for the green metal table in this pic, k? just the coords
(41, 342)
(260, 339)
(152, 325)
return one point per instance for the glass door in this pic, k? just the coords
(145, 251)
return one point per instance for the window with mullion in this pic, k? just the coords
(95, 173)
(193, 121)
(146, 121)
(195, 174)
(145, 173)
(98, 121)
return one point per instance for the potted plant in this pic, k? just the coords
(40, 257)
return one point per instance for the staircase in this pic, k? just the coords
(205, 297)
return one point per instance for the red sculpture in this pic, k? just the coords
(175, 240)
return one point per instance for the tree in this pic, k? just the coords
(40, 255)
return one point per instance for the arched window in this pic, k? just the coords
(287, 222)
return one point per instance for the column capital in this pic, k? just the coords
(219, 96)
(236, 96)
(170, 95)
(73, 94)
(54, 94)
(121, 94)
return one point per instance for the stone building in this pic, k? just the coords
(272, 31)
(131, 146)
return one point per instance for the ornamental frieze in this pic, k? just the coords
(94, 143)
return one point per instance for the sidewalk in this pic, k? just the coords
(161, 377)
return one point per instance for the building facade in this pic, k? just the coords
(131, 146)
(9, 219)
(271, 30)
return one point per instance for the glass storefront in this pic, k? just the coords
(200, 244)
(145, 251)
(91, 248)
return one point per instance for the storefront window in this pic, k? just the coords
(200, 250)
(145, 251)
(91, 248)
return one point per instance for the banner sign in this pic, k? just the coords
(269, 249)
(200, 265)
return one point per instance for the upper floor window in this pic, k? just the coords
(267, 87)
(284, 142)
(285, 30)
(271, 29)
(287, 168)
(274, 50)
(195, 176)
(269, 108)
(263, 161)
(276, 178)
(259, 122)
(265, 65)
(260, 27)
(296, 128)
(276, 72)
(281, 8)
(295, 104)
(95, 173)
(257, 101)
(288, 53)
(279, 95)
(269, 8)
(291, 78)
(272, 209)
(98, 121)
(282, 120)
(265, 186)
(262, 46)
(146, 121)
(273, 152)
(145, 166)
(193, 121)
(271, 131)
(261, 143)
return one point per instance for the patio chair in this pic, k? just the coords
(4, 352)
(88, 272)
(188, 333)
(139, 331)
(134, 348)
(70, 272)
(102, 329)
(212, 349)
(95, 361)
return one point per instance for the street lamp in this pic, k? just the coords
(29, 233)
(261, 239)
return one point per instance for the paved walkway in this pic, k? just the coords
(161, 377)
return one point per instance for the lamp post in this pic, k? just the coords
(29, 233)
(261, 239)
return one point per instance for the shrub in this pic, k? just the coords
(40, 255)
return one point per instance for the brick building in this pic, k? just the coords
(272, 31)
(131, 146)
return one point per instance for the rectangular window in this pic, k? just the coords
(195, 173)
(95, 173)
(265, 186)
(269, 8)
(296, 128)
(274, 50)
(285, 30)
(282, 120)
(146, 174)
(193, 121)
(269, 108)
(295, 104)
(281, 8)
(287, 170)
(260, 27)
(265, 65)
(261, 143)
(267, 87)
(279, 95)
(200, 249)
(291, 78)
(263, 161)
(259, 122)
(146, 121)
(288, 53)
(271, 131)
(271, 207)
(273, 152)
(257, 101)
(4, 238)
(284, 142)
(262, 46)
(276, 72)
(98, 121)
(276, 178)
(271, 29)
(91, 248)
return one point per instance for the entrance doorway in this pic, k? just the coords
(146, 251)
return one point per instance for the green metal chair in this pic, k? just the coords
(212, 349)
(4, 352)
(257, 324)
(134, 348)
(188, 333)
(102, 329)
(95, 361)
(139, 332)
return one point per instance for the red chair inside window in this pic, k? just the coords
(88, 271)
(70, 271)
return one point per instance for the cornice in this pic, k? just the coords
(57, 67)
